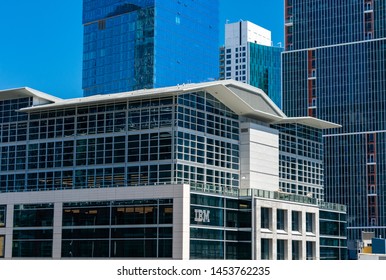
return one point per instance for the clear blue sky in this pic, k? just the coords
(41, 40)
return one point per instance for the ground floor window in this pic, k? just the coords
(3, 209)
(118, 229)
(281, 249)
(266, 246)
(296, 250)
(310, 250)
(2, 245)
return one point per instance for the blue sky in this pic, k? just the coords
(41, 40)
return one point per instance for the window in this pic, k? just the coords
(130, 227)
(310, 250)
(310, 221)
(296, 221)
(33, 232)
(281, 216)
(266, 245)
(3, 211)
(102, 25)
(266, 218)
(281, 249)
(296, 250)
(2, 245)
(371, 179)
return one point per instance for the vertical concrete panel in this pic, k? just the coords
(181, 223)
(259, 157)
(9, 232)
(57, 238)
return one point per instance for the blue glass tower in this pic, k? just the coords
(265, 70)
(334, 69)
(136, 44)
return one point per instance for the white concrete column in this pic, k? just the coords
(304, 240)
(9, 231)
(57, 237)
(274, 234)
(317, 233)
(181, 223)
(257, 230)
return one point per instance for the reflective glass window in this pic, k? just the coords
(3, 212)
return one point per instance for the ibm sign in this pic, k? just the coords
(201, 216)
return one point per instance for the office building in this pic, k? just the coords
(184, 172)
(135, 44)
(248, 56)
(333, 69)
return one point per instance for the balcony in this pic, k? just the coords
(289, 21)
(368, 8)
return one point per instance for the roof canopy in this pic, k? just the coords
(39, 97)
(243, 99)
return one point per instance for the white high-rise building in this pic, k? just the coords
(248, 56)
(243, 32)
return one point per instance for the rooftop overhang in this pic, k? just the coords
(309, 121)
(23, 92)
(241, 98)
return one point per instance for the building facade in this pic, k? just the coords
(248, 56)
(185, 172)
(333, 69)
(127, 44)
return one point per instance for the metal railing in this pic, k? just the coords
(212, 189)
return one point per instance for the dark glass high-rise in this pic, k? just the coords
(334, 69)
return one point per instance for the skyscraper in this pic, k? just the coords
(334, 69)
(136, 44)
(248, 56)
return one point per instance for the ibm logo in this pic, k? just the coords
(201, 216)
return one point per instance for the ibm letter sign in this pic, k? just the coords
(201, 216)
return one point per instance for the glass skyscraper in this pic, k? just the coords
(334, 69)
(136, 44)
